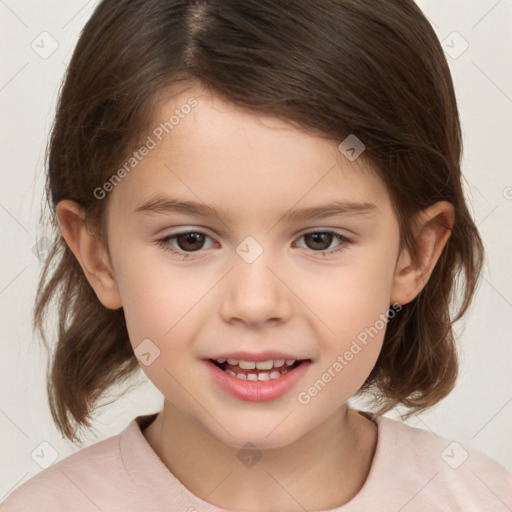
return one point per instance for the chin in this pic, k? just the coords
(266, 434)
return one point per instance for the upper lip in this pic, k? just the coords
(266, 355)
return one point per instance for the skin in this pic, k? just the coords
(291, 298)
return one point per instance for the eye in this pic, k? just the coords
(188, 241)
(192, 241)
(320, 241)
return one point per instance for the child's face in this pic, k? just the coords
(226, 297)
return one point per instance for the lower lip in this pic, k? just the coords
(256, 390)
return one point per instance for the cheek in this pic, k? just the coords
(354, 309)
(364, 304)
(158, 300)
(354, 296)
(348, 356)
(162, 322)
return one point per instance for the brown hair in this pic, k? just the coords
(372, 68)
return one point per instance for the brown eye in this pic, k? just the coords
(318, 241)
(185, 242)
(190, 241)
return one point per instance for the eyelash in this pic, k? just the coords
(164, 242)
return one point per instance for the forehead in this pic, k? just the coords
(206, 149)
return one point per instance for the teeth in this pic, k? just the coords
(259, 376)
(265, 365)
(260, 365)
(277, 366)
(248, 365)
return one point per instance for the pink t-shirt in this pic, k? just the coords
(412, 471)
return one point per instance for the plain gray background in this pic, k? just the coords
(477, 38)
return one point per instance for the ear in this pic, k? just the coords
(89, 251)
(433, 228)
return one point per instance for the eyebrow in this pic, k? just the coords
(163, 205)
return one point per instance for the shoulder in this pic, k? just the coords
(80, 482)
(440, 473)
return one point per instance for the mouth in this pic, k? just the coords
(271, 369)
(256, 381)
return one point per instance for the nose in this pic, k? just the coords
(255, 294)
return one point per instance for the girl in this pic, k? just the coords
(204, 152)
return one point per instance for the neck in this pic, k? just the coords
(323, 469)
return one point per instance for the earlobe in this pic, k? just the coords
(90, 253)
(432, 232)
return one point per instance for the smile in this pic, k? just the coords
(256, 370)
(256, 381)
